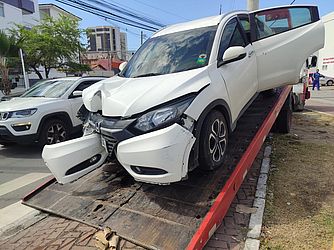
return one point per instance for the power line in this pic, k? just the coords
(119, 9)
(106, 14)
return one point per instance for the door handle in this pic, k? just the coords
(250, 53)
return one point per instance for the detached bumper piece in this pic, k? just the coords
(73, 159)
(159, 157)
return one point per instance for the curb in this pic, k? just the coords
(255, 223)
(320, 112)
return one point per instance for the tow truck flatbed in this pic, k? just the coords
(178, 216)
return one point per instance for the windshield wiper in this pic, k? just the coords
(148, 74)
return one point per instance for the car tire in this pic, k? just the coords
(329, 83)
(213, 141)
(53, 131)
(284, 119)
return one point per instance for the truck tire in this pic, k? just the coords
(284, 119)
(53, 131)
(213, 141)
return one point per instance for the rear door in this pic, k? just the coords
(283, 38)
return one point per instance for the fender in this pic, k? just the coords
(220, 105)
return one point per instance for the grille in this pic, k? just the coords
(110, 142)
(3, 116)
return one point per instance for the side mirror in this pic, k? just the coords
(77, 93)
(233, 53)
(122, 65)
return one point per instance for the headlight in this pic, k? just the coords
(22, 113)
(163, 116)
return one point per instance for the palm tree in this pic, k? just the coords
(7, 49)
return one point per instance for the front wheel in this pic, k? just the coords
(53, 131)
(213, 141)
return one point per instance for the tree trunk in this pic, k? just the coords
(5, 83)
(37, 71)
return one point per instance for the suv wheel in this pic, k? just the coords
(213, 141)
(53, 131)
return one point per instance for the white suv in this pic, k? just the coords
(173, 106)
(45, 113)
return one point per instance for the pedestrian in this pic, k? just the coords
(316, 76)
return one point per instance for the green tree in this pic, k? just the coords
(8, 53)
(51, 44)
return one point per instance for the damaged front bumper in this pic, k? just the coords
(70, 160)
(159, 157)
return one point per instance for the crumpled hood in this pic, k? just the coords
(20, 103)
(122, 97)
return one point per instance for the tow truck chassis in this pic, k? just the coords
(179, 216)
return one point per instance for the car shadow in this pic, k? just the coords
(21, 151)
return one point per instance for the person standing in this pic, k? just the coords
(316, 78)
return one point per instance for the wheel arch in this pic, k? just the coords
(219, 105)
(57, 115)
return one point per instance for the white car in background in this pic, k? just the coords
(46, 113)
(326, 80)
(173, 106)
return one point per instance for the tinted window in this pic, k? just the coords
(270, 22)
(170, 53)
(231, 37)
(85, 84)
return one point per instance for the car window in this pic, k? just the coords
(232, 36)
(85, 84)
(245, 24)
(275, 21)
(171, 53)
(49, 88)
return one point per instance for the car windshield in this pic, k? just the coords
(171, 53)
(49, 88)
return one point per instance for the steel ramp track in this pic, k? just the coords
(152, 216)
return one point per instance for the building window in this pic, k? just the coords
(2, 10)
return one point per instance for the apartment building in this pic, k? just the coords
(24, 12)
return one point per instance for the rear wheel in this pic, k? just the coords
(213, 141)
(53, 131)
(329, 82)
(284, 119)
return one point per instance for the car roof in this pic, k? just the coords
(198, 23)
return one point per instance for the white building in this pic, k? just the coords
(23, 12)
(326, 55)
(54, 11)
(105, 42)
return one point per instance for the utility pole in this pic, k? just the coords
(252, 5)
(220, 9)
(141, 37)
(26, 83)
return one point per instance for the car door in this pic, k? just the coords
(240, 76)
(283, 38)
(76, 101)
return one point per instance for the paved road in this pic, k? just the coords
(21, 170)
(322, 100)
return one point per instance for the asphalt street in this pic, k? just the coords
(322, 100)
(21, 170)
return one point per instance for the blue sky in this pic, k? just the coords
(175, 11)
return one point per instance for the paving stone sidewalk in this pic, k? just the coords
(57, 233)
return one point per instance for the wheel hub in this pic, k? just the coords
(217, 140)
